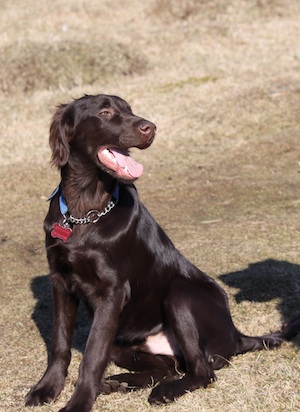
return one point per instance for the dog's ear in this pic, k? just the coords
(61, 133)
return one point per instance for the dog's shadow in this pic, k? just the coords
(42, 315)
(259, 282)
(268, 280)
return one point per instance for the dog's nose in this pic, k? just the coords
(147, 128)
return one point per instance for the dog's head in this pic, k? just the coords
(100, 130)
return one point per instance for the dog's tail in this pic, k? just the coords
(273, 340)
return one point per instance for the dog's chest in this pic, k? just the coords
(84, 271)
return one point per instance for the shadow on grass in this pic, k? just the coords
(42, 315)
(268, 280)
(259, 282)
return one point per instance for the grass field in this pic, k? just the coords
(221, 81)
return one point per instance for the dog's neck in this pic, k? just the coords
(86, 189)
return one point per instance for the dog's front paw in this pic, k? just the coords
(45, 391)
(78, 405)
(39, 396)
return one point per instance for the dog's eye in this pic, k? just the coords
(106, 113)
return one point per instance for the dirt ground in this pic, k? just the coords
(221, 81)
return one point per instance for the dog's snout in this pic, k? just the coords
(147, 128)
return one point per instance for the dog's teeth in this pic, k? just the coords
(109, 154)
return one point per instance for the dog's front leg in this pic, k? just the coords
(64, 316)
(97, 352)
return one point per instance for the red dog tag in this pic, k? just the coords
(61, 232)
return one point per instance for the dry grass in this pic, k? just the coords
(64, 65)
(221, 81)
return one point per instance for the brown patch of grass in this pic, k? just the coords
(34, 66)
(176, 9)
(169, 10)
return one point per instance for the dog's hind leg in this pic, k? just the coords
(148, 369)
(182, 317)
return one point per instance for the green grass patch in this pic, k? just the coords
(191, 81)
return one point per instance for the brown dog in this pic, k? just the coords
(154, 312)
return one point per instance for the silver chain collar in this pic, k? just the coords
(92, 216)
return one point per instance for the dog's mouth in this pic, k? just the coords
(120, 162)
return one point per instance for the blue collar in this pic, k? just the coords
(62, 203)
(64, 207)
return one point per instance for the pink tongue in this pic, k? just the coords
(134, 169)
